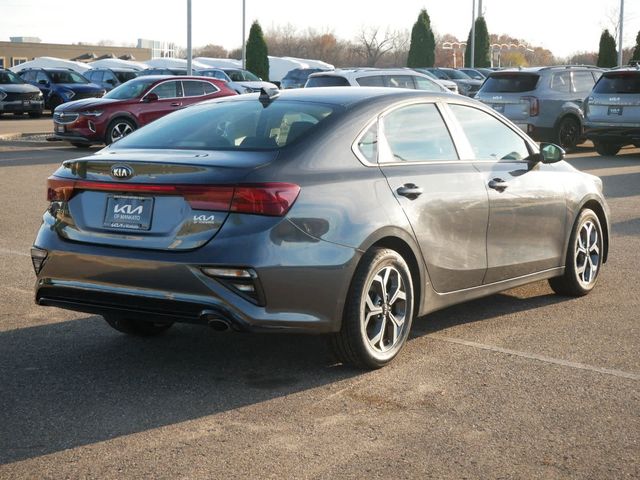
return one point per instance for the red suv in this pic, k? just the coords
(131, 106)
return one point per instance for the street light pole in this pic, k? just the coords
(620, 32)
(244, 25)
(473, 34)
(189, 54)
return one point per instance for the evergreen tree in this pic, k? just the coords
(482, 48)
(607, 55)
(636, 51)
(422, 51)
(257, 60)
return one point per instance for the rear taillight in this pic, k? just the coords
(534, 105)
(273, 199)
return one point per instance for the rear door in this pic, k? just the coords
(527, 208)
(169, 100)
(443, 198)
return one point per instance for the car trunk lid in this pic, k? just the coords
(615, 99)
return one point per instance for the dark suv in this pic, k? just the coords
(110, 78)
(18, 97)
(545, 102)
(612, 111)
(60, 85)
(297, 77)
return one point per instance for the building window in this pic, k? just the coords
(17, 61)
(3, 62)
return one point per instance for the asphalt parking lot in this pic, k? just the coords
(524, 384)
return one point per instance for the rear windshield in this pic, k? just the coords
(327, 81)
(66, 77)
(510, 83)
(126, 76)
(623, 82)
(231, 125)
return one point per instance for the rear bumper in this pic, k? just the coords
(622, 135)
(302, 294)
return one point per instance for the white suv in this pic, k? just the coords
(374, 77)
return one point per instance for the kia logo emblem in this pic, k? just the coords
(121, 171)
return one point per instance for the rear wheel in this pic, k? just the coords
(568, 133)
(140, 328)
(117, 129)
(378, 311)
(606, 148)
(35, 114)
(584, 257)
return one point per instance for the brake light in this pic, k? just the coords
(273, 199)
(534, 106)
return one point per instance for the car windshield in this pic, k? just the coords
(133, 89)
(457, 74)
(126, 76)
(66, 77)
(475, 75)
(619, 82)
(439, 74)
(9, 77)
(510, 83)
(241, 75)
(231, 125)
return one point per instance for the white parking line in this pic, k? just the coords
(541, 358)
(6, 251)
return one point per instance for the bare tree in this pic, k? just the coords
(371, 45)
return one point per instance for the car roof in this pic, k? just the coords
(365, 70)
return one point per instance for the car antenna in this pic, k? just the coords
(268, 95)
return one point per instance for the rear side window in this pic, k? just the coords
(368, 144)
(417, 133)
(194, 88)
(372, 81)
(489, 138)
(208, 88)
(561, 82)
(511, 83)
(622, 82)
(327, 81)
(400, 81)
(231, 125)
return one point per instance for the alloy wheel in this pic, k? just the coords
(587, 253)
(120, 130)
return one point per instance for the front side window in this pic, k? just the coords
(426, 85)
(490, 139)
(66, 76)
(417, 133)
(327, 81)
(372, 81)
(167, 90)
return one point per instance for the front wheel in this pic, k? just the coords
(136, 327)
(584, 257)
(607, 149)
(119, 128)
(378, 311)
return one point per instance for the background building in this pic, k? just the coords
(158, 48)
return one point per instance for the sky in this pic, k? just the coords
(562, 26)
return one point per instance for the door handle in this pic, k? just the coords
(176, 104)
(410, 191)
(498, 184)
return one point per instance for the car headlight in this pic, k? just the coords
(3, 95)
(92, 113)
(69, 94)
(40, 94)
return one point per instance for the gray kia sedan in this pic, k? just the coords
(341, 211)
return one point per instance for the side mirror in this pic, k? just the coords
(551, 153)
(43, 82)
(150, 97)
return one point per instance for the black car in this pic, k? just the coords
(110, 78)
(343, 211)
(60, 85)
(18, 97)
(297, 77)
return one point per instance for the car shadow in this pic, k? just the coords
(622, 185)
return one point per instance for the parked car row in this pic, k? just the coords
(18, 97)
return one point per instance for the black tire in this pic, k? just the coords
(581, 253)
(117, 129)
(54, 102)
(568, 133)
(18, 114)
(139, 328)
(35, 114)
(607, 149)
(80, 145)
(355, 344)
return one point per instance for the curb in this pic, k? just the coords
(6, 137)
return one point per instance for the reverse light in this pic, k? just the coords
(534, 105)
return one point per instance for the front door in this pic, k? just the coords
(169, 100)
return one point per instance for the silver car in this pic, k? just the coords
(545, 102)
(341, 211)
(612, 111)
